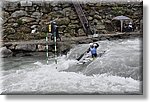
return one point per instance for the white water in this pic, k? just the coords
(39, 78)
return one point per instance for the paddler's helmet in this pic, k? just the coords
(94, 45)
(91, 44)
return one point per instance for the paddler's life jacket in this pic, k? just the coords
(93, 50)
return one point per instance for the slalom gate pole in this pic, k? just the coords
(47, 48)
(55, 47)
(55, 40)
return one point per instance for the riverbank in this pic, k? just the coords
(24, 48)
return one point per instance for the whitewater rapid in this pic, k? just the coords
(35, 77)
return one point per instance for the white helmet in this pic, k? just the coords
(94, 44)
(91, 44)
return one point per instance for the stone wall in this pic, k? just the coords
(20, 19)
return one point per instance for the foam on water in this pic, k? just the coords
(46, 79)
(39, 78)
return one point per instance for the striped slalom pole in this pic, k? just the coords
(47, 49)
(55, 48)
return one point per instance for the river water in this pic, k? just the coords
(117, 71)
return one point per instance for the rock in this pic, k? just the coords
(97, 17)
(33, 26)
(9, 31)
(81, 32)
(75, 21)
(65, 5)
(72, 32)
(85, 41)
(98, 4)
(5, 15)
(95, 20)
(5, 52)
(41, 48)
(62, 28)
(34, 23)
(24, 29)
(108, 21)
(11, 20)
(26, 47)
(11, 6)
(12, 47)
(44, 28)
(55, 9)
(67, 35)
(30, 9)
(73, 26)
(100, 27)
(73, 17)
(104, 31)
(53, 4)
(27, 19)
(45, 9)
(67, 11)
(36, 14)
(64, 48)
(53, 15)
(100, 11)
(91, 4)
(63, 21)
(15, 25)
(19, 13)
(90, 18)
(109, 16)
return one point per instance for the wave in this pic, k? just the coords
(46, 79)
(116, 72)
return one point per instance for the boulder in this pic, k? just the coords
(5, 52)
(36, 14)
(24, 29)
(100, 27)
(26, 47)
(27, 19)
(45, 9)
(41, 48)
(5, 15)
(62, 28)
(67, 34)
(15, 25)
(68, 9)
(73, 17)
(65, 5)
(12, 47)
(64, 48)
(97, 17)
(63, 21)
(90, 18)
(44, 28)
(30, 9)
(81, 32)
(73, 26)
(19, 13)
(75, 21)
(9, 31)
(55, 8)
